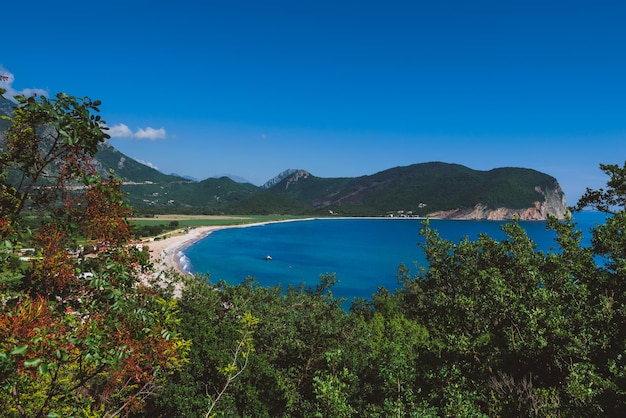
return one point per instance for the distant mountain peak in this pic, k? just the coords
(185, 177)
(236, 179)
(296, 177)
(280, 177)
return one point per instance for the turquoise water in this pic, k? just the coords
(363, 253)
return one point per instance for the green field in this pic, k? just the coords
(200, 220)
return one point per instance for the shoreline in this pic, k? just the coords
(164, 252)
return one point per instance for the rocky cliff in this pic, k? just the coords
(554, 204)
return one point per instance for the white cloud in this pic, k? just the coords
(123, 131)
(149, 164)
(6, 82)
(120, 131)
(150, 133)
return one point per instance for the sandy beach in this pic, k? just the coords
(163, 252)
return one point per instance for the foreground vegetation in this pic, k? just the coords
(487, 328)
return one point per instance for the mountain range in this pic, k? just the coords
(427, 189)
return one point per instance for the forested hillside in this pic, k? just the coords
(89, 328)
(422, 189)
(419, 189)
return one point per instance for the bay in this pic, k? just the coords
(363, 253)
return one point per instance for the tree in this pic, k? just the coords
(516, 331)
(239, 362)
(609, 286)
(285, 374)
(79, 334)
(384, 351)
(611, 199)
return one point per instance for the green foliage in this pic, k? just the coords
(152, 230)
(47, 146)
(296, 329)
(331, 388)
(611, 199)
(516, 331)
(79, 336)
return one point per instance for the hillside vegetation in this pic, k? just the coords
(420, 189)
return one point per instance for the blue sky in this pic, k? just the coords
(339, 88)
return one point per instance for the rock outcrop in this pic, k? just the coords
(554, 204)
(280, 177)
(296, 177)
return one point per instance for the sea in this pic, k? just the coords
(363, 253)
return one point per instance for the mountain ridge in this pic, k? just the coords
(434, 189)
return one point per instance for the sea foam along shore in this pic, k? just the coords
(164, 252)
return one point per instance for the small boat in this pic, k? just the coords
(268, 257)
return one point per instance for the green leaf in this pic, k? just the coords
(32, 362)
(43, 368)
(19, 350)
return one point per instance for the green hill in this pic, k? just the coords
(128, 169)
(210, 196)
(421, 189)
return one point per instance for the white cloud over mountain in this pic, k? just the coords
(123, 131)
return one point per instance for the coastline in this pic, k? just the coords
(164, 252)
